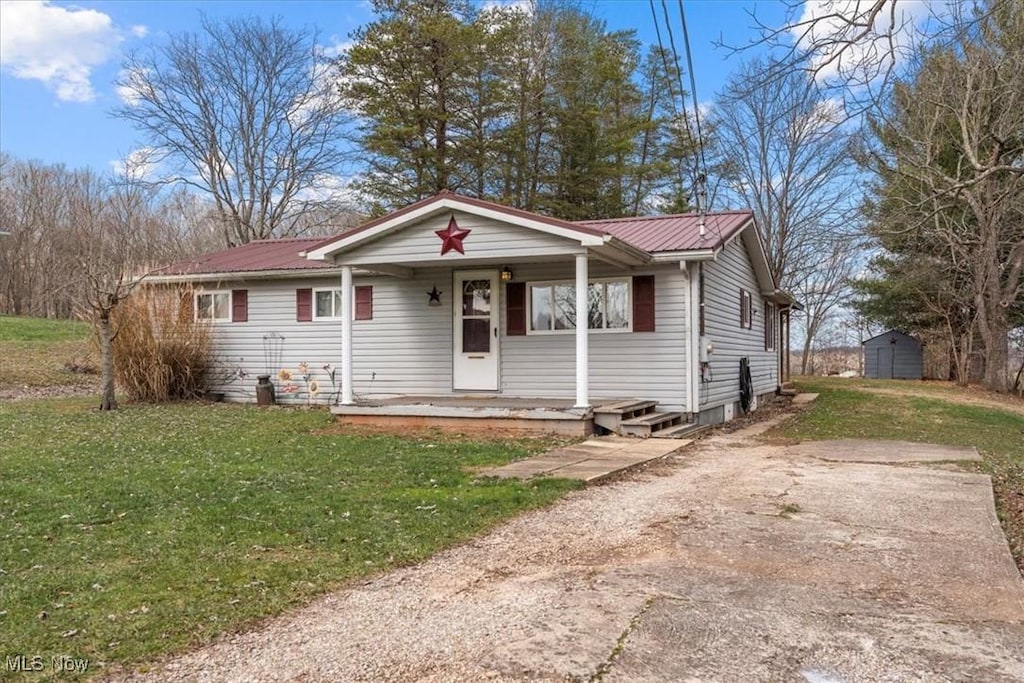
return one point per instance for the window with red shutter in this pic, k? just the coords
(643, 303)
(364, 302)
(239, 305)
(515, 309)
(304, 305)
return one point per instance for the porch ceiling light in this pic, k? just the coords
(506, 274)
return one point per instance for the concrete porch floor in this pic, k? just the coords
(471, 412)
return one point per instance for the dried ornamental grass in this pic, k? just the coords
(161, 352)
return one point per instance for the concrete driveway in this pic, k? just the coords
(732, 561)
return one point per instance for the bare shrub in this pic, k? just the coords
(161, 352)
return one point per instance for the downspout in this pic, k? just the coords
(692, 298)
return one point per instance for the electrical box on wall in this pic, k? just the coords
(729, 412)
(706, 349)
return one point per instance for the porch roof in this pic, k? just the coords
(678, 232)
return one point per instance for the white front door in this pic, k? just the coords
(475, 337)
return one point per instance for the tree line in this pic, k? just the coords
(254, 131)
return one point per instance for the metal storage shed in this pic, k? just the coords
(892, 355)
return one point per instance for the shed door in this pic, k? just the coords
(475, 361)
(885, 358)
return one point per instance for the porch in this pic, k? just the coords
(471, 413)
(630, 417)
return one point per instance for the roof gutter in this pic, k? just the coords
(685, 255)
(290, 273)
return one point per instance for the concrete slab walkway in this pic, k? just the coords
(592, 461)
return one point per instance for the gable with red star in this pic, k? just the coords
(451, 237)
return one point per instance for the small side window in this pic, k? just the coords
(213, 306)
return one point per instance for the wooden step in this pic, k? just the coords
(686, 430)
(646, 425)
(612, 415)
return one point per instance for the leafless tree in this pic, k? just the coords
(116, 235)
(788, 156)
(953, 138)
(244, 112)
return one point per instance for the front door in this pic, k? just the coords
(475, 364)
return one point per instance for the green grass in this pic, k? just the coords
(34, 351)
(23, 329)
(143, 531)
(844, 411)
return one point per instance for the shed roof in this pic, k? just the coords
(889, 332)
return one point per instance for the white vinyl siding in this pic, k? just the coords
(644, 365)
(418, 244)
(723, 280)
(405, 349)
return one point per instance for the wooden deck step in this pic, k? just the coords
(612, 415)
(687, 430)
(649, 423)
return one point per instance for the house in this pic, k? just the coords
(892, 355)
(457, 302)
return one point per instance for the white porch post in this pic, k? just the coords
(582, 333)
(346, 335)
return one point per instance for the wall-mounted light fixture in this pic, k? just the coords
(506, 274)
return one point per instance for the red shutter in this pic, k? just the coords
(364, 302)
(515, 309)
(303, 305)
(239, 305)
(643, 303)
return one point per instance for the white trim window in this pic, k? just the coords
(327, 304)
(551, 306)
(213, 306)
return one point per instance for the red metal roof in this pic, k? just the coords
(258, 255)
(679, 232)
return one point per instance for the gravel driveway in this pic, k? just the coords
(731, 561)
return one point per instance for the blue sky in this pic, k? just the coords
(58, 60)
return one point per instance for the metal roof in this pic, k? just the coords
(679, 232)
(650, 234)
(258, 255)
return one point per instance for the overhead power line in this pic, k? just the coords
(700, 172)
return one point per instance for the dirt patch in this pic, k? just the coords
(61, 391)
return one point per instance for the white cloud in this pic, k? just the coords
(139, 31)
(139, 164)
(844, 45)
(58, 46)
(328, 187)
(129, 84)
(337, 49)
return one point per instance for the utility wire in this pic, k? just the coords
(668, 71)
(696, 107)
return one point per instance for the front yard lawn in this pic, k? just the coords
(849, 410)
(130, 534)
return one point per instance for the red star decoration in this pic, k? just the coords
(451, 237)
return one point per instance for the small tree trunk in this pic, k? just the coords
(107, 400)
